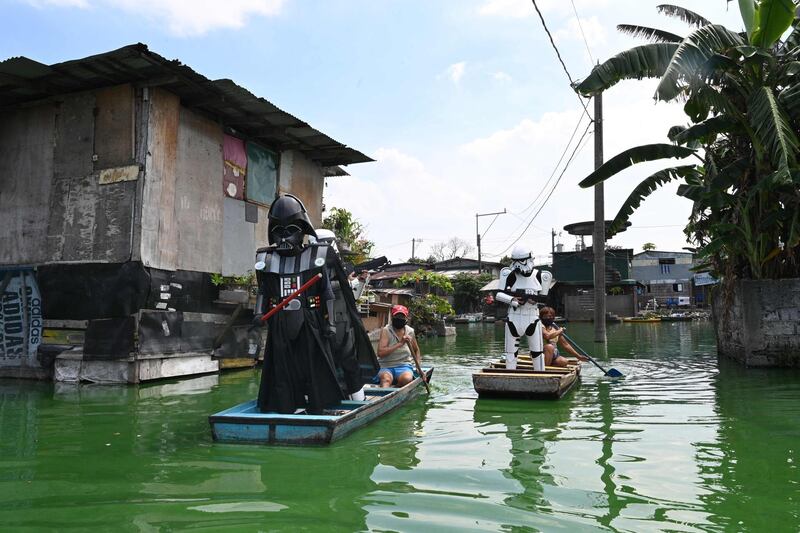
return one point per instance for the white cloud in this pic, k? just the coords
(436, 197)
(455, 71)
(592, 28)
(184, 18)
(501, 76)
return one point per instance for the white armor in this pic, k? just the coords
(522, 288)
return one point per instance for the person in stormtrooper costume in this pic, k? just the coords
(300, 371)
(522, 289)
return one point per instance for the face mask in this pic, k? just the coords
(548, 321)
(398, 322)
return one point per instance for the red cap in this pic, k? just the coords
(399, 309)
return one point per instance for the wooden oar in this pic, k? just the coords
(612, 372)
(422, 375)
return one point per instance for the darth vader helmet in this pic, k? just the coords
(522, 260)
(288, 224)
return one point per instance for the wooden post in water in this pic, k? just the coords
(599, 234)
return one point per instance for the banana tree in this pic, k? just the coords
(741, 93)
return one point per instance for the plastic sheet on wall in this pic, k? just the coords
(20, 318)
(235, 167)
(262, 174)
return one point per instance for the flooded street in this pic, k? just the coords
(682, 443)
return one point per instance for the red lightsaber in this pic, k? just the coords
(291, 297)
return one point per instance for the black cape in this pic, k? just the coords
(299, 370)
(352, 349)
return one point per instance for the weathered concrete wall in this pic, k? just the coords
(198, 194)
(581, 307)
(26, 177)
(305, 179)
(69, 179)
(760, 324)
(159, 231)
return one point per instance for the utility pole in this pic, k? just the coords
(599, 234)
(478, 233)
(553, 243)
(413, 242)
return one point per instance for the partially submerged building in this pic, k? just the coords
(126, 181)
(573, 294)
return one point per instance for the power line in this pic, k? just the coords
(558, 54)
(578, 146)
(580, 27)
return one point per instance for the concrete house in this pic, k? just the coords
(126, 181)
(666, 276)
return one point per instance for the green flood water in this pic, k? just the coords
(683, 443)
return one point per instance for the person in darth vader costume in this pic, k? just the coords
(300, 371)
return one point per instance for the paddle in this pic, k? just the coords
(612, 372)
(422, 375)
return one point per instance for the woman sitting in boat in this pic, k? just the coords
(552, 339)
(396, 348)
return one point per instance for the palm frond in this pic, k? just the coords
(772, 18)
(692, 57)
(793, 40)
(651, 34)
(642, 191)
(646, 61)
(689, 17)
(631, 156)
(705, 130)
(771, 126)
(789, 98)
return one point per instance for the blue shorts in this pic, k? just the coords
(395, 371)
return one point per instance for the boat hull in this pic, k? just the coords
(244, 424)
(495, 381)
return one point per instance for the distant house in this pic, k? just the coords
(573, 294)
(460, 265)
(127, 181)
(666, 276)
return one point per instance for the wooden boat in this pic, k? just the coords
(523, 382)
(641, 319)
(244, 424)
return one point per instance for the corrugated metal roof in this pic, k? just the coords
(25, 80)
(408, 292)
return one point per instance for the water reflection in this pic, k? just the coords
(683, 443)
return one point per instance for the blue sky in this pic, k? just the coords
(462, 102)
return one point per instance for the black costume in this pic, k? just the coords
(300, 371)
(352, 349)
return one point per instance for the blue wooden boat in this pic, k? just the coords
(244, 424)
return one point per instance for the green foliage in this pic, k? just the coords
(425, 312)
(615, 290)
(467, 291)
(233, 281)
(648, 246)
(425, 281)
(350, 234)
(742, 98)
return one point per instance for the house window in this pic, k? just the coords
(664, 264)
(262, 174)
(648, 289)
(677, 287)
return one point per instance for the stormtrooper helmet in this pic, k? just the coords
(522, 260)
(288, 224)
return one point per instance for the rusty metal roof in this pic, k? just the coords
(25, 80)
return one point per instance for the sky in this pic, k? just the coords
(462, 103)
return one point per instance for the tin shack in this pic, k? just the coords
(129, 185)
